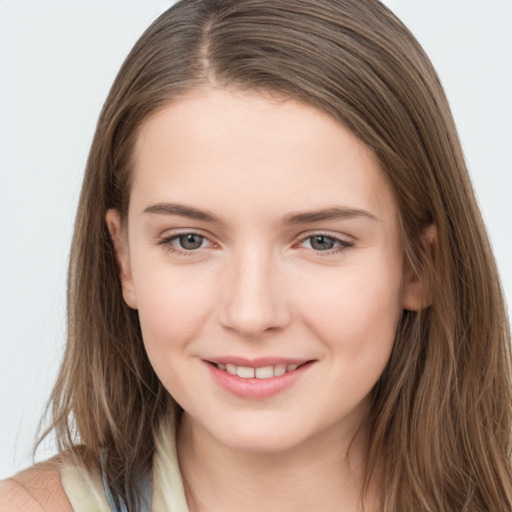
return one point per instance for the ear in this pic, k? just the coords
(416, 295)
(114, 225)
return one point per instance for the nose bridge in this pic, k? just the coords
(254, 298)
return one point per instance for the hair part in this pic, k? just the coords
(440, 422)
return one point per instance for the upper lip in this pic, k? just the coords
(257, 362)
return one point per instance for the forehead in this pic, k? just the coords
(240, 150)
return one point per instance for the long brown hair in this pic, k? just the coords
(442, 411)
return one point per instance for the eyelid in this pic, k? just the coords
(166, 241)
(344, 242)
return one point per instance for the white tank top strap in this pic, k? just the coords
(88, 491)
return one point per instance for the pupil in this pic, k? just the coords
(191, 241)
(322, 243)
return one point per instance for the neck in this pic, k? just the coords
(311, 476)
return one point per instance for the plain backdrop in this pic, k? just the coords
(57, 61)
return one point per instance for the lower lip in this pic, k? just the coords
(256, 389)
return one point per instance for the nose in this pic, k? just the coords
(254, 299)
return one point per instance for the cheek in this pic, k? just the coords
(172, 306)
(173, 309)
(355, 319)
(356, 315)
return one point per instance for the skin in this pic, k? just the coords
(36, 489)
(258, 286)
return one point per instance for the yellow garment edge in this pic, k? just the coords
(86, 493)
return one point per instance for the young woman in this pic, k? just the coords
(281, 293)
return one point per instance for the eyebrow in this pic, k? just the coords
(333, 213)
(307, 217)
(182, 211)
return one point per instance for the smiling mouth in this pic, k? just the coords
(263, 372)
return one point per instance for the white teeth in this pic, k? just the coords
(231, 368)
(279, 369)
(264, 373)
(245, 372)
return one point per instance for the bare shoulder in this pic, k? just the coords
(35, 489)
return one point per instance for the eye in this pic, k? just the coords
(185, 243)
(325, 243)
(188, 242)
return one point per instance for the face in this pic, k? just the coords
(263, 255)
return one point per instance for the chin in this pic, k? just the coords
(258, 436)
(262, 442)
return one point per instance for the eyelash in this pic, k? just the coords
(167, 243)
(342, 245)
